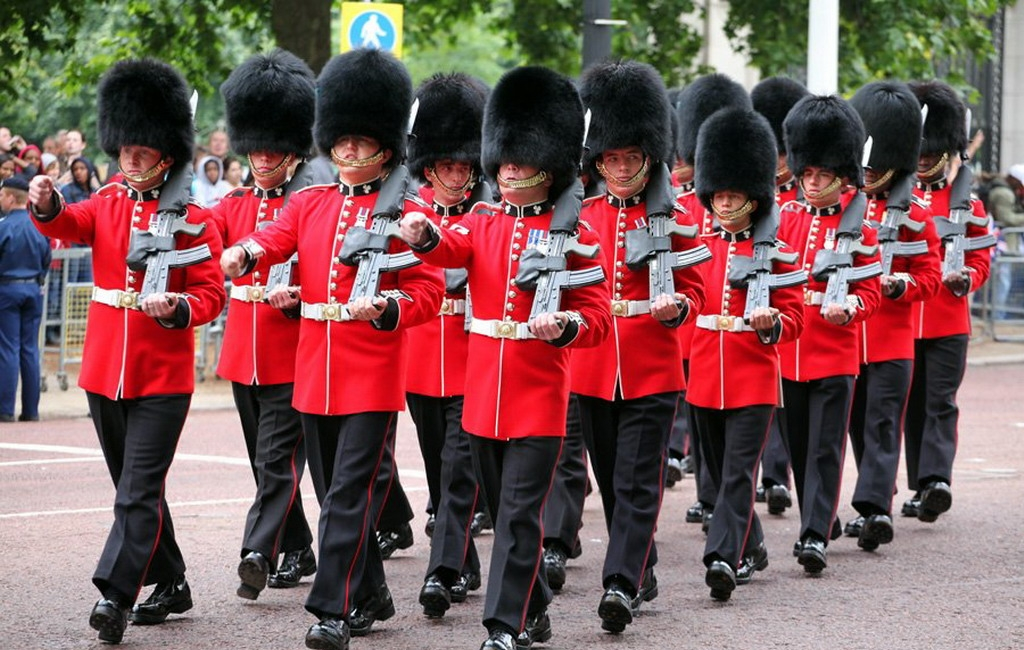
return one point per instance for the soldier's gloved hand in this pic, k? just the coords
(284, 297)
(413, 228)
(367, 308)
(959, 284)
(161, 306)
(548, 327)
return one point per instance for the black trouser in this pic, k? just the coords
(517, 475)
(879, 399)
(627, 440)
(814, 424)
(679, 439)
(563, 515)
(346, 453)
(138, 437)
(706, 492)
(277, 455)
(932, 414)
(451, 481)
(733, 441)
(391, 507)
(775, 460)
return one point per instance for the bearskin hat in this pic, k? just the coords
(629, 108)
(698, 101)
(736, 151)
(363, 92)
(270, 103)
(825, 131)
(534, 116)
(145, 102)
(945, 129)
(449, 121)
(892, 117)
(773, 97)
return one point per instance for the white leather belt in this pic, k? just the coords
(630, 308)
(247, 293)
(501, 329)
(813, 297)
(452, 306)
(722, 323)
(116, 298)
(326, 311)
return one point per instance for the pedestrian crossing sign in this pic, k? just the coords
(373, 25)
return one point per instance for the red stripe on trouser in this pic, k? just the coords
(540, 544)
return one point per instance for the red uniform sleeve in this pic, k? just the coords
(204, 282)
(868, 293)
(688, 280)
(591, 303)
(74, 222)
(424, 284)
(789, 301)
(454, 249)
(280, 239)
(921, 273)
(977, 263)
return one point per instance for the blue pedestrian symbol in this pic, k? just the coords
(372, 30)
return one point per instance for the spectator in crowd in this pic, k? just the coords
(1005, 203)
(74, 147)
(218, 144)
(84, 181)
(49, 165)
(24, 258)
(233, 172)
(28, 160)
(209, 185)
(7, 167)
(5, 139)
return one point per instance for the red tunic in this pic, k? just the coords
(640, 356)
(946, 314)
(788, 191)
(694, 213)
(889, 333)
(516, 388)
(128, 354)
(259, 340)
(825, 350)
(345, 367)
(734, 369)
(440, 345)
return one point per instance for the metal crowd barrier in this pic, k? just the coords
(1001, 302)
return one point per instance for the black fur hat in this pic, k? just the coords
(825, 131)
(698, 101)
(944, 129)
(270, 101)
(736, 151)
(363, 92)
(145, 102)
(629, 108)
(534, 116)
(773, 97)
(892, 117)
(449, 121)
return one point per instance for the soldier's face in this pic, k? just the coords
(728, 201)
(820, 185)
(450, 179)
(929, 167)
(144, 164)
(620, 168)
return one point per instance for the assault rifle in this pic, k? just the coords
(953, 230)
(897, 214)
(652, 246)
(755, 272)
(456, 280)
(368, 249)
(544, 270)
(280, 275)
(837, 265)
(153, 250)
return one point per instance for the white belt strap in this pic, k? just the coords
(630, 308)
(813, 297)
(723, 323)
(116, 298)
(501, 329)
(452, 306)
(247, 293)
(326, 311)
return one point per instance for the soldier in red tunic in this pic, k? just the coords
(445, 154)
(773, 98)
(138, 363)
(352, 348)
(270, 101)
(734, 370)
(519, 365)
(697, 102)
(824, 139)
(892, 119)
(942, 325)
(628, 385)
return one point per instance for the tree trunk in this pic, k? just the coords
(303, 27)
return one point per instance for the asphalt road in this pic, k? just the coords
(957, 583)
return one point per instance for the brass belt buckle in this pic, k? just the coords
(620, 307)
(505, 330)
(808, 297)
(255, 294)
(128, 300)
(725, 323)
(447, 306)
(330, 312)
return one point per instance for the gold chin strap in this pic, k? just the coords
(682, 169)
(287, 160)
(831, 187)
(149, 175)
(524, 183)
(936, 168)
(360, 162)
(432, 176)
(871, 188)
(635, 180)
(735, 215)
